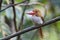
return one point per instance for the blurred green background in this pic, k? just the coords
(51, 9)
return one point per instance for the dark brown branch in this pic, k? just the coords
(22, 17)
(20, 5)
(12, 5)
(21, 22)
(0, 4)
(14, 12)
(32, 28)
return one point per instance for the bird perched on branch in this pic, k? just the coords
(38, 19)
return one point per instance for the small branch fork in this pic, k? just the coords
(10, 5)
(32, 28)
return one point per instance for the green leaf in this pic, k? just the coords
(18, 1)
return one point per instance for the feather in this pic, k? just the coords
(37, 20)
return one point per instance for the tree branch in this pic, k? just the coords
(21, 5)
(0, 4)
(10, 5)
(14, 12)
(21, 22)
(32, 28)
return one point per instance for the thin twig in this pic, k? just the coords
(0, 4)
(22, 17)
(32, 28)
(21, 5)
(14, 12)
(11, 5)
(21, 22)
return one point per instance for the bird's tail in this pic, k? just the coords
(40, 32)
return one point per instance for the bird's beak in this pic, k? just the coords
(31, 13)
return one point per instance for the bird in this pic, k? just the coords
(38, 19)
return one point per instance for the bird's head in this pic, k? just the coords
(37, 13)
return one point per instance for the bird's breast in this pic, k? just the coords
(37, 20)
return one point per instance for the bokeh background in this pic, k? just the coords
(49, 8)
